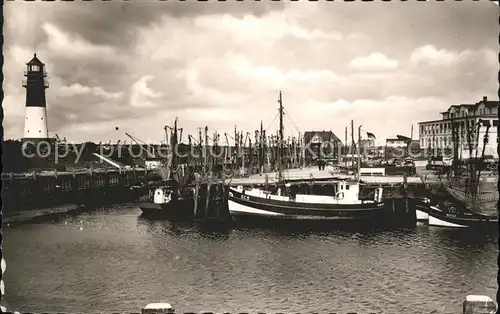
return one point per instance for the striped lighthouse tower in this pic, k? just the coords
(35, 125)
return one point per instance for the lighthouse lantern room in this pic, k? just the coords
(35, 127)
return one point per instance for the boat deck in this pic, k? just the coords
(316, 174)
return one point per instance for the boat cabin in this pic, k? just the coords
(153, 163)
(157, 308)
(339, 192)
(162, 195)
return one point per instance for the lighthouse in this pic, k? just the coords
(35, 124)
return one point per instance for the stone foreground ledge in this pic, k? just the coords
(479, 304)
(472, 304)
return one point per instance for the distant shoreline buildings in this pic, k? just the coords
(469, 121)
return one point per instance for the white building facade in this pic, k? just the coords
(471, 122)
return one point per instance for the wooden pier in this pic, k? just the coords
(40, 189)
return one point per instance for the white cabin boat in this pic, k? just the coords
(343, 203)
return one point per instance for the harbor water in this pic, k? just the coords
(113, 261)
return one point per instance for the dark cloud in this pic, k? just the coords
(107, 72)
(115, 23)
(198, 67)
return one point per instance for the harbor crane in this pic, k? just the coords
(136, 140)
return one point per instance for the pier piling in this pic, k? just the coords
(211, 206)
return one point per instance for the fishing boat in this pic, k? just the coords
(169, 203)
(452, 216)
(172, 198)
(466, 197)
(337, 201)
(343, 203)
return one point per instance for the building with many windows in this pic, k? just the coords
(463, 124)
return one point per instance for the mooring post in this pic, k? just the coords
(479, 304)
(405, 190)
(217, 192)
(106, 177)
(207, 200)
(196, 194)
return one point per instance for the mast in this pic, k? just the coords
(201, 149)
(174, 144)
(359, 151)
(301, 151)
(345, 146)
(280, 148)
(481, 163)
(205, 149)
(190, 154)
(352, 143)
(454, 139)
(410, 142)
(261, 149)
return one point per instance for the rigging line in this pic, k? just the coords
(298, 129)
(294, 133)
(290, 127)
(289, 116)
(292, 121)
(266, 129)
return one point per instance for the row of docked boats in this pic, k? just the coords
(337, 202)
(340, 204)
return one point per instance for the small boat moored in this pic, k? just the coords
(169, 204)
(453, 217)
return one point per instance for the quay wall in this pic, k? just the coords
(91, 187)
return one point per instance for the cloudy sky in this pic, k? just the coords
(139, 65)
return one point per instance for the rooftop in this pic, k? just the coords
(35, 61)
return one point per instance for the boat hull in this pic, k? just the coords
(422, 211)
(442, 218)
(257, 211)
(178, 211)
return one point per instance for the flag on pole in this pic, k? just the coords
(370, 136)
